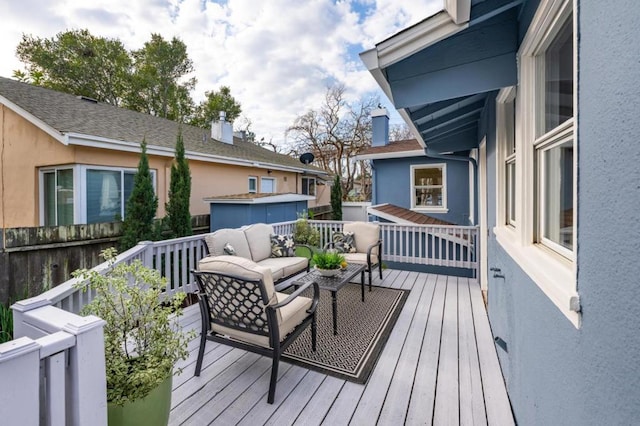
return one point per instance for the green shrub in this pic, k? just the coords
(304, 233)
(6, 323)
(142, 342)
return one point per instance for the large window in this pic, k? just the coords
(85, 194)
(428, 187)
(309, 186)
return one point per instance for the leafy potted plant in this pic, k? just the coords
(142, 342)
(328, 263)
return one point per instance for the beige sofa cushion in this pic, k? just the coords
(289, 317)
(240, 267)
(365, 233)
(216, 241)
(259, 240)
(284, 266)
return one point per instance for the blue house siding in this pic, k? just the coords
(392, 184)
(555, 373)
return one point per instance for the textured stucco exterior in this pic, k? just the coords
(25, 148)
(558, 374)
(392, 184)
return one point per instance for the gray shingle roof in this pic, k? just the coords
(67, 113)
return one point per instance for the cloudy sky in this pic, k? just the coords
(277, 56)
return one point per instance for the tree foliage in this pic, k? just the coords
(153, 80)
(157, 70)
(335, 133)
(336, 199)
(214, 102)
(77, 62)
(138, 224)
(178, 215)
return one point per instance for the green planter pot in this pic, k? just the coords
(150, 410)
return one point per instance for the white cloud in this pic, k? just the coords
(277, 56)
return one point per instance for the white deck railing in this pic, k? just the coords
(59, 355)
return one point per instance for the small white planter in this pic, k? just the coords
(327, 272)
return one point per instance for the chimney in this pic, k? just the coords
(380, 127)
(222, 130)
(240, 134)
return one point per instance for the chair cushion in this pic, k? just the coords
(289, 317)
(235, 237)
(360, 258)
(366, 235)
(240, 267)
(344, 242)
(284, 266)
(282, 246)
(259, 240)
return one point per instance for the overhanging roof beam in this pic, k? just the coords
(459, 113)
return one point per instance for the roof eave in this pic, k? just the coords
(389, 155)
(60, 137)
(126, 146)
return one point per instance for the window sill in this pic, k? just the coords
(553, 274)
(427, 209)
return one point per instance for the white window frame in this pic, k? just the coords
(55, 169)
(505, 129)
(255, 184)
(435, 208)
(309, 180)
(552, 271)
(262, 179)
(80, 188)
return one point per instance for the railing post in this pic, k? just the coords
(21, 327)
(87, 394)
(20, 372)
(147, 255)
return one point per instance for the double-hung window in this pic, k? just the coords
(536, 184)
(554, 142)
(428, 187)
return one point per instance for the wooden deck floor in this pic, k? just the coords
(438, 367)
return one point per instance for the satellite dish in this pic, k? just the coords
(306, 158)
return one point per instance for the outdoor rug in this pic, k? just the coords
(363, 330)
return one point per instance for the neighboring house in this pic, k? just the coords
(71, 160)
(404, 176)
(546, 92)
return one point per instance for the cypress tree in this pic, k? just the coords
(336, 199)
(141, 206)
(178, 214)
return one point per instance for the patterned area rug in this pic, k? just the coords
(363, 330)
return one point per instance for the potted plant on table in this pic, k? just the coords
(142, 341)
(329, 263)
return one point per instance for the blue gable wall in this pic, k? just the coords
(557, 374)
(392, 184)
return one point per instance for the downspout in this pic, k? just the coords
(374, 196)
(438, 156)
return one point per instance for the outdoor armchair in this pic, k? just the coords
(240, 307)
(367, 247)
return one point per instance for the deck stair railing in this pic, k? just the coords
(59, 355)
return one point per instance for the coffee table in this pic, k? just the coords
(334, 284)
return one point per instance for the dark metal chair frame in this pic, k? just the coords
(241, 304)
(370, 265)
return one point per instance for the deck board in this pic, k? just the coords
(440, 360)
